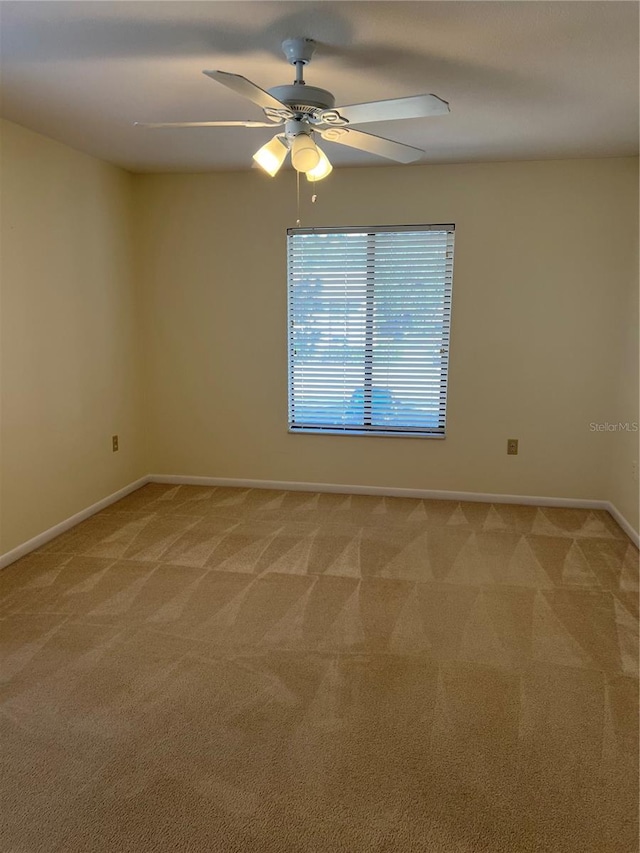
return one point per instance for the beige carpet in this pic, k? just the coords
(200, 669)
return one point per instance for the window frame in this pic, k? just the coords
(438, 432)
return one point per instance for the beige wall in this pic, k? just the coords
(69, 358)
(544, 339)
(623, 446)
(542, 283)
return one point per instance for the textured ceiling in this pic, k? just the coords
(525, 80)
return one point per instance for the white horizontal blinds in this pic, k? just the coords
(369, 313)
(327, 319)
(412, 284)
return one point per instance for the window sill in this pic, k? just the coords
(364, 433)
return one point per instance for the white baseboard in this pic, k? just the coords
(624, 524)
(429, 494)
(336, 488)
(57, 529)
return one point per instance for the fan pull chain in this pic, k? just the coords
(314, 198)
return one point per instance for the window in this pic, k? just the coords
(369, 317)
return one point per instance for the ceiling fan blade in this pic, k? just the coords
(373, 144)
(415, 106)
(247, 89)
(205, 124)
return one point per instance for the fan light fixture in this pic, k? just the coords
(323, 168)
(305, 156)
(271, 156)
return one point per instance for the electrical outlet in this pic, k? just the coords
(634, 470)
(114, 443)
(512, 446)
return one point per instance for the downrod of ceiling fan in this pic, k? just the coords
(299, 81)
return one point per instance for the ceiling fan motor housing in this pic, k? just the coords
(302, 98)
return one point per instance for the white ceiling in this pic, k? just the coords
(525, 80)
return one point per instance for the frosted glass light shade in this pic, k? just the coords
(304, 154)
(323, 168)
(271, 156)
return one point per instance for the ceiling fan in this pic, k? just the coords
(306, 111)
